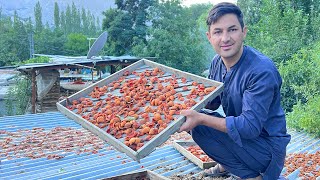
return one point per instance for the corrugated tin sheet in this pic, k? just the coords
(58, 60)
(107, 162)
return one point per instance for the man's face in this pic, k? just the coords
(226, 37)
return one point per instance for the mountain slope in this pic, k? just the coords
(25, 8)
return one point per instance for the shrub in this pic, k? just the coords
(301, 77)
(18, 97)
(306, 116)
(300, 90)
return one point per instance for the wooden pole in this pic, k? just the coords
(113, 69)
(34, 91)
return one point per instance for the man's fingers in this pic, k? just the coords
(183, 128)
(185, 112)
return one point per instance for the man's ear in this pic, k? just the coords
(208, 35)
(244, 31)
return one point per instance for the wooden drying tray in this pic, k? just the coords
(181, 147)
(160, 138)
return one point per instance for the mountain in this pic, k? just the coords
(25, 8)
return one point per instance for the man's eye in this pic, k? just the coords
(233, 29)
(217, 32)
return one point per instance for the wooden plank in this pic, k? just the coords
(145, 174)
(181, 147)
(164, 135)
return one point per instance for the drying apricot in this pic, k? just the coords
(209, 89)
(146, 130)
(157, 116)
(126, 143)
(127, 98)
(100, 119)
(153, 131)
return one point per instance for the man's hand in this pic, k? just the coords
(192, 120)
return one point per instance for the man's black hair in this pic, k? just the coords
(222, 9)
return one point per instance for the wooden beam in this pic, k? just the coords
(113, 69)
(34, 91)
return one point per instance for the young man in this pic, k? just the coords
(250, 142)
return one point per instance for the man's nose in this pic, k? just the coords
(225, 37)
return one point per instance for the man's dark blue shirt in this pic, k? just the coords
(251, 100)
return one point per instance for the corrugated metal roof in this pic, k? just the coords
(107, 162)
(6, 74)
(58, 60)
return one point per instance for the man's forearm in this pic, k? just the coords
(214, 122)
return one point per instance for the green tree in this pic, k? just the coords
(301, 76)
(120, 35)
(173, 41)
(75, 19)
(38, 17)
(19, 40)
(68, 19)
(126, 25)
(279, 33)
(85, 23)
(63, 23)
(18, 96)
(76, 44)
(56, 16)
(251, 11)
(50, 42)
(7, 56)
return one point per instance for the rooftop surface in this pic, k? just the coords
(106, 162)
(58, 60)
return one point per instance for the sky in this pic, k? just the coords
(189, 2)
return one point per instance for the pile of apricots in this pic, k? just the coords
(198, 152)
(139, 105)
(307, 163)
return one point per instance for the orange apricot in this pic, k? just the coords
(153, 131)
(132, 141)
(157, 116)
(146, 130)
(171, 112)
(100, 119)
(127, 98)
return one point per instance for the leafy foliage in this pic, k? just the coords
(173, 41)
(279, 33)
(301, 76)
(301, 90)
(76, 44)
(126, 24)
(36, 60)
(50, 42)
(19, 38)
(306, 116)
(18, 97)
(38, 17)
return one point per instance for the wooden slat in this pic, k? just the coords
(180, 146)
(160, 138)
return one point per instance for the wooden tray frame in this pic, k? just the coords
(163, 135)
(180, 146)
(138, 175)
